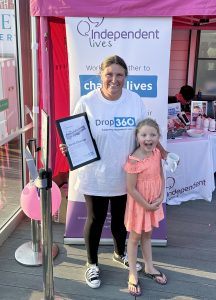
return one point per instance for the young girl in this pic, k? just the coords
(145, 187)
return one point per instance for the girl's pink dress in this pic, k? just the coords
(149, 184)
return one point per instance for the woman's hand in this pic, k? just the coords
(63, 148)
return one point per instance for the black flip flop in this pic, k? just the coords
(155, 276)
(137, 286)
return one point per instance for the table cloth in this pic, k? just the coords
(194, 177)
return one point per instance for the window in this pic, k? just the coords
(15, 106)
(206, 63)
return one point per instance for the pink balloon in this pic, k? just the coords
(31, 203)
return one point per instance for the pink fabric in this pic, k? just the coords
(137, 218)
(59, 91)
(122, 8)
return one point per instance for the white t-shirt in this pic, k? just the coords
(113, 126)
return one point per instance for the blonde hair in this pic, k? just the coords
(114, 59)
(147, 122)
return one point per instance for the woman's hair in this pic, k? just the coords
(114, 59)
(149, 122)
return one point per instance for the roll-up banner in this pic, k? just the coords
(144, 44)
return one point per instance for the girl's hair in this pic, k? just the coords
(149, 122)
(114, 59)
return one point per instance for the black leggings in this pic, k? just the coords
(96, 214)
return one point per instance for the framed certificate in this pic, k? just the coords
(198, 108)
(75, 132)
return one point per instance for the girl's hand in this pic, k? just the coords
(164, 155)
(159, 201)
(63, 148)
(153, 206)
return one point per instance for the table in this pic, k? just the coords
(212, 138)
(194, 177)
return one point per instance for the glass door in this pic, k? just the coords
(14, 112)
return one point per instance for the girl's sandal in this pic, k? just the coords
(157, 277)
(138, 289)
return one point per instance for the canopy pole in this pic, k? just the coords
(44, 39)
(35, 108)
(35, 226)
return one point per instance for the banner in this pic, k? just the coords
(7, 33)
(8, 102)
(144, 44)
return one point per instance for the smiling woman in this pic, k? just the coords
(113, 113)
(113, 78)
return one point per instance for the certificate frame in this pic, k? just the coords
(198, 108)
(75, 133)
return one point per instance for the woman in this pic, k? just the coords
(113, 113)
(185, 96)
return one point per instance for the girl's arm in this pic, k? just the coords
(132, 190)
(162, 151)
(159, 200)
(163, 183)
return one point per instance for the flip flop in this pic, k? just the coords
(156, 276)
(137, 286)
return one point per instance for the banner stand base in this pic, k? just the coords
(26, 256)
(80, 241)
(55, 298)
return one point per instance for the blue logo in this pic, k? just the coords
(143, 85)
(124, 122)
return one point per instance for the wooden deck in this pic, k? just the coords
(189, 261)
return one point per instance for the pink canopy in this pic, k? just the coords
(53, 65)
(122, 8)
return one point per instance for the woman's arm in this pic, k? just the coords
(63, 148)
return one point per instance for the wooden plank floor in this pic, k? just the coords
(189, 261)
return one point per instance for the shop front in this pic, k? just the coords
(15, 105)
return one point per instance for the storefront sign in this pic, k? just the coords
(7, 31)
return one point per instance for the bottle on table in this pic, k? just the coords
(199, 122)
(206, 124)
(199, 95)
(212, 125)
